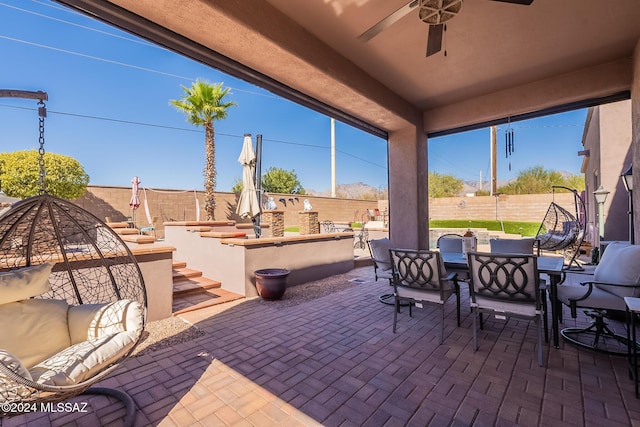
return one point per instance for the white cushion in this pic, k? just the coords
(91, 321)
(83, 360)
(14, 364)
(24, 283)
(16, 391)
(450, 244)
(511, 246)
(34, 329)
(380, 251)
(620, 264)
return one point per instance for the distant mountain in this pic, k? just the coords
(356, 190)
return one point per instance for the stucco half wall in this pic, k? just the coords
(233, 261)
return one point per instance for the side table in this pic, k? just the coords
(633, 309)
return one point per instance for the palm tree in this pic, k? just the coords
(203, 103)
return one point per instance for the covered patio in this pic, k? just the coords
(334, 361)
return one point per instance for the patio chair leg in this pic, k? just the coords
(545, 318)
(475, 329)
(442, 323)
(540, 341)
(458, 303)
(395, 313)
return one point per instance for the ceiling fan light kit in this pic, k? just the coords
(432, 12)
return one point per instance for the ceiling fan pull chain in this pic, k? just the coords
(445, 39)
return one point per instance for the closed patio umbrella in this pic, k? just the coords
(248, 203)
(134, 203)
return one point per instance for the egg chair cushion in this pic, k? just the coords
(13, 363)
(91, 321)
(24, 283)
(34, 329)
(83, 360)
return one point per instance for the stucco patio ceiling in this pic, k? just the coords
(502, 59)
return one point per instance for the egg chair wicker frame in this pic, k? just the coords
(91, 265)
(563, 231)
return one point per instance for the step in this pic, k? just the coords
(202, 300)
(138, 238)
(196, 284)
(118, 224)
(178, 264)
(126, 231)
(185, 273)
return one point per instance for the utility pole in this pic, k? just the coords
(494, 155)
(480, 182)
(333, 157)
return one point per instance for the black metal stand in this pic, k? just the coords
(597, 336)
(127, 401)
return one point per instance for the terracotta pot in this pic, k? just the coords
(271, 283)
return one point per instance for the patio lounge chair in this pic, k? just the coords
(616, 276)
(72, 303)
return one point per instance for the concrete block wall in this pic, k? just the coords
(180, 205)
(526, 207)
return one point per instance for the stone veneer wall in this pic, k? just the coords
(276, 223)
(309, 223)
(180, 205)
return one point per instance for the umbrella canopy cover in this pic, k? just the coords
(248, 204)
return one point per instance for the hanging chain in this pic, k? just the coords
(42, 113)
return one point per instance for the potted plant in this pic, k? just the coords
(271, 283)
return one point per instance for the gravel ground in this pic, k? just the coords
(174, 330)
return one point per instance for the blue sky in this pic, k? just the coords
(92, 75)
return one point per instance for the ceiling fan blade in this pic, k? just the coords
(434, 40)
(388, 21)
(522, 2)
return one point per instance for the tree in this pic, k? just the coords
(441, 185)
(237, 186)
(20, 175)
(536, 180)
(203, 103)
(277, 180)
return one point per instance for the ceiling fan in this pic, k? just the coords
(432, 12)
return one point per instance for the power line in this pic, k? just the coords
(124, 64)
(154, 125)
(41, 15)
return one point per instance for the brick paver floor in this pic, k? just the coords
(334, 361)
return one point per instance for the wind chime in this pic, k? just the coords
(509, 138)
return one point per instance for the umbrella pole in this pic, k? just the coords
(258, 179)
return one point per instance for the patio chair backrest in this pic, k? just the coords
(380, 252)
(417, 269)
(505, 277)
(512, 246)
(619, 265)
(450, 243)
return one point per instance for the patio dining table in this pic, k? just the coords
(552, 266)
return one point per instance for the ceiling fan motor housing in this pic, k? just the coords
(434, 12)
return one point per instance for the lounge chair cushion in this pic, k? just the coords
(34, 329)
(380, 251)
(620, 264)
(83, 360)
(24, 283)
(91, 321)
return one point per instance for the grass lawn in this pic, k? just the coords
(510, 227)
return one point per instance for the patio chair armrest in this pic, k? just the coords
(452, 276)
(610, 284)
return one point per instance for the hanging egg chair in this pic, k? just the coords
(72, 302)
(562, 230)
